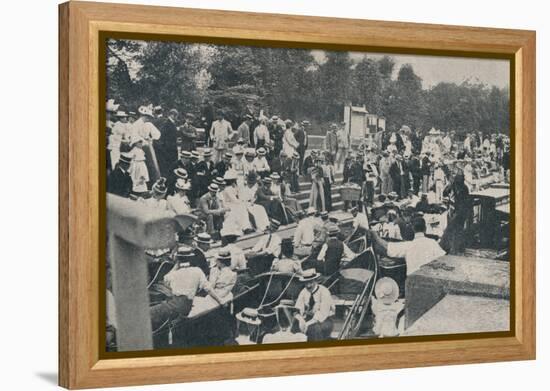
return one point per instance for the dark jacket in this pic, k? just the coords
(166, 147)
(119, 182)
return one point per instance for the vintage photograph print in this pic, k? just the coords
(274, 195)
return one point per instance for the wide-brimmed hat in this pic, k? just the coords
(182, 184)
(160, 186)
(230, 175)
(203, 237)
(386, 290)
(213, 187)
(393, 196)
(111, 106)
(125, 158)
(146, 110)
(309, 275)
(249, 315)
(181, 173)
(207, 152)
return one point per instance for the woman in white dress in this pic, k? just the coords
(144, 128)
(237, 214)
(138, 168)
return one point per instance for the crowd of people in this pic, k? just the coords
(245, 180)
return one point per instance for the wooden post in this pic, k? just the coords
(133, 228)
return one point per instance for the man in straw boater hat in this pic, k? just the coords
(267, 248)
(220, 133)
(332, 253)
(261, 166)
(386, 307)
(119, 181)
(180, 285)
(315, 308)
(210, 211)
(224, 164)
(204, 172)
(304, 234)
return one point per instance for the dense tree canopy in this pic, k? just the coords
(293, 83)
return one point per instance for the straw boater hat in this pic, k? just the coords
(203, 237)
(275, 176)
(219, 181)
(248, 116)
(194, 154)
(160, 186)
(183, 255)
(224, 256)
(146, 110)
(324, 214)
(274, 118)
(213, 187)
(182, 184)
(295, 155)
(121, 113)
(386, 290)
(207, 152)
(185, 154)
(228, 155)
(305, 122)
(181, 173)
(125, 158)
(333, 230)
(261, 151)
(309, 275)
(249, 315)
(250, 152)
(230, 175)
(267, 180)
(310, 211)
(392, 196)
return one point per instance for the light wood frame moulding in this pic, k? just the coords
(81, 364)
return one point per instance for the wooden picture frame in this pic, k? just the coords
(80, 361)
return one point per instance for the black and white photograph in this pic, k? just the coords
(293, 195)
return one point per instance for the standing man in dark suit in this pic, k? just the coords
(207, 117)
(119, 181)
(300, 136)
(399, 174)
(414, 169)
(166, 146)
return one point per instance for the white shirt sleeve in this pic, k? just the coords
(323, 252)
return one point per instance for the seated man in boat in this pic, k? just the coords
(285, 318)
(210, 211)
(180, 286)
(267, 248)
(221, 281)
(420, 251)
(304, 236)
(201, 251)
(332, 253)
(315, 308)
(229, 235)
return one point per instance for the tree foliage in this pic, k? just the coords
(292, 83)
